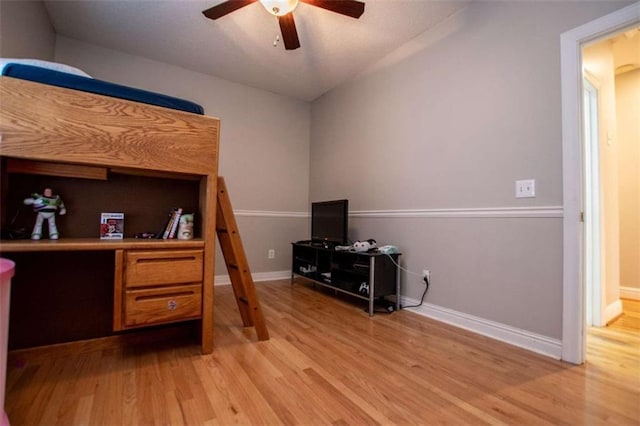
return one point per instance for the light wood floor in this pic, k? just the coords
(327, 362)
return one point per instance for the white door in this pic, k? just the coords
(593, 283)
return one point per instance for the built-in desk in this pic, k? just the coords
(81, 286)
(154, 281)
(104, 154)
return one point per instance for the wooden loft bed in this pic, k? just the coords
(53, 131)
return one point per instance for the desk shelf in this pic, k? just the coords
(90, 244)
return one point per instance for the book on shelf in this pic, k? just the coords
(160, 234)
(170, 227)
(174, 223)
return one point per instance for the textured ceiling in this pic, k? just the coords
(239, 47)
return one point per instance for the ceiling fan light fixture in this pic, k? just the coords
(279, 7)
(282, 9)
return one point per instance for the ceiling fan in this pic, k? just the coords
(283, 10)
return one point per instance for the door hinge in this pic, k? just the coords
(581, 216)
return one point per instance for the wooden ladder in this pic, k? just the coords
(237, 265)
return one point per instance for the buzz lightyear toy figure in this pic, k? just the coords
(46, 205)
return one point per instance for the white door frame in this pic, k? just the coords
(573, 292)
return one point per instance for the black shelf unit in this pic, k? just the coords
(367, 276)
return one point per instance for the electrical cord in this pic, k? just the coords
(400, 267)
(426, 287)
(12, 233)
(425, 279)
(15, 216)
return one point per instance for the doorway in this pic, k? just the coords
(574, 259)
(611, 95)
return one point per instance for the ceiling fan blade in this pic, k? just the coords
(224, 8)
(289, 32)
(352, 8)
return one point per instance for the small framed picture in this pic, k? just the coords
(111, 226)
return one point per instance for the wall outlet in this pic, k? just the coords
(426, 274)
(525, 188)
(271, 254)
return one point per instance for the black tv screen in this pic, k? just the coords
(329, 221)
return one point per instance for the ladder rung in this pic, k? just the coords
(236, 261)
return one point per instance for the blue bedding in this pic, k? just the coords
(85, 84)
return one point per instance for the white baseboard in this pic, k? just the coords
(257, 276)
(612, 311)
(630, 293)
(524, 339)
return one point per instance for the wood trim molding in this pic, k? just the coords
(522, 338)
(612, 312)
(17, 165)
(118, 285)
(632, 293)
(257, 277)
(480, 212)
(267, 213)
(473, 212)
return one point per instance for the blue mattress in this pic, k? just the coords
(85, 84)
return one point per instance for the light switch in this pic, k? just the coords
(525, 188)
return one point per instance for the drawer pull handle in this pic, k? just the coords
(164, 296)
(167, 259)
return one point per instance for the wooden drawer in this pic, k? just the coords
(153, 267)
(162, 304)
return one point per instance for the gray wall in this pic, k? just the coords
(25, 30)
(442, 133)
